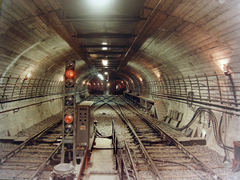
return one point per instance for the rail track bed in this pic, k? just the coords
(31, 158)
(148, 151)
(152, 154)
(171, 160)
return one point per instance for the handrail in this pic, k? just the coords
(34, 104)
(216, 89)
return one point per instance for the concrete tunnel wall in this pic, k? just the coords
(14, 122)
(230, 126)
(182, 38)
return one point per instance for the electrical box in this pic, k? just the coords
(85, 124)
(236, 160)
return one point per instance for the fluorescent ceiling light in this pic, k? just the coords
(105, 62)
(100, 76)
(104, 48)
(104, 43)
(99, 3)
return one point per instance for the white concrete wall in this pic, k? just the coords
(230, 126)
(12, 123)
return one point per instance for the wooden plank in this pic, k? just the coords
(18, 168)
(179, 167)
(172, 155)
(188, 175)
(25, 160)
(37, 150)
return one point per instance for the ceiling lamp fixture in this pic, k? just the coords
(28, 76)
(106, 73)
(104, 48)
(105, 62)
(100, 76)
(225, 69)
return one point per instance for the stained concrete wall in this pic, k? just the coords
(230, 128)
(14, 122)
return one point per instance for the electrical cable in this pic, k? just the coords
(212, 119)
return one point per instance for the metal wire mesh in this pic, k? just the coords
(215, 89)
(16, 88)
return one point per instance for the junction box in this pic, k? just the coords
(84, 128)
(236, 160)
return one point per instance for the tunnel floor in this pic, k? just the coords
(102, 164)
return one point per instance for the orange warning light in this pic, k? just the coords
(68, 119)
(69, 73)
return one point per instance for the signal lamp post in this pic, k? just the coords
(69, 112)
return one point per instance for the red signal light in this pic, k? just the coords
(68, 119)
(69, 73)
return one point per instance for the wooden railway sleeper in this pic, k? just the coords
(21, 146)
(123, 117)
(190, 155)
(162, 132)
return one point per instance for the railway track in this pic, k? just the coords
(153, 154)
(30, 158)
(149, 152)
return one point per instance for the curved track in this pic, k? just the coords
(149, 152)
(153, 154)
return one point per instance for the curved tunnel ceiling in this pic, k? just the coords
(144, 39)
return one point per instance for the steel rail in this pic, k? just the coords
(45, 162)
(123, 166)
(22, 145)
(122, 116)
(131, 160)
(180, 146)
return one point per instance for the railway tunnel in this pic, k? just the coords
(177, 60)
